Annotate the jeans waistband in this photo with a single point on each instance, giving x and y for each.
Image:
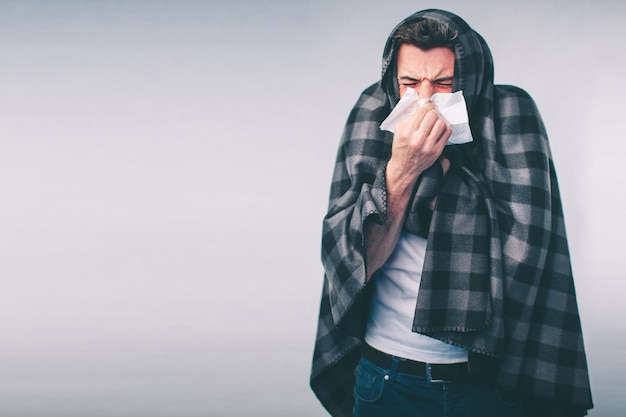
(454, 372)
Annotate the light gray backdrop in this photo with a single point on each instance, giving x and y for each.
(164, 170)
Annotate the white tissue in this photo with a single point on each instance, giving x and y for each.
(451, 106)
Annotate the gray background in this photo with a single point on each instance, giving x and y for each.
(164, 172)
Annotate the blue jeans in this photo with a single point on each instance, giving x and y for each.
(381, 392)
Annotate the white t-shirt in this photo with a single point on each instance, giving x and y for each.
(393, 307)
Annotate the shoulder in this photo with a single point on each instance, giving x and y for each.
(514, 100)
(372, 105)
(372, 97)
(505, 90)
(515, 111)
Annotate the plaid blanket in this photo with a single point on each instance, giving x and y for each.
(497, 278)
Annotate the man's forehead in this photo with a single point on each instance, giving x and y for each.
(414, 61)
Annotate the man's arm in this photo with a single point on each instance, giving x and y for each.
(417, 144)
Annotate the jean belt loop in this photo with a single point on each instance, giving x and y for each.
(429, 375)
(394, 367)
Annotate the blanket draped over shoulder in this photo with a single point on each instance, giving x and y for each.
(497, 237)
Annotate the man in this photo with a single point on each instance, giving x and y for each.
(448, 287)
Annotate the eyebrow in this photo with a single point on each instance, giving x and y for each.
(409, 78)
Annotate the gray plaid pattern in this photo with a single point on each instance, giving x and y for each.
(497, 278)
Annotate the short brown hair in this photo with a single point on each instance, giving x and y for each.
(426, 34)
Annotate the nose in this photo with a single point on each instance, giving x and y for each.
(425, 89)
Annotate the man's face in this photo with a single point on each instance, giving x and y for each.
(428, 72)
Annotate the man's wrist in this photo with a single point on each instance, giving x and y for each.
(398, 182)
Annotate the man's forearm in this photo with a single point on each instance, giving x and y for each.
(381, 240)
(417, 144)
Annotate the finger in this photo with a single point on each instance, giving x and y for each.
(431, 125)
(416, 119)
(441, 131)
(447, 131)
(443, 128)
(434, 133)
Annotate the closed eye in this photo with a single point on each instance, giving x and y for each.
(412, 82)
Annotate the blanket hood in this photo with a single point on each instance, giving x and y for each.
(473, 65)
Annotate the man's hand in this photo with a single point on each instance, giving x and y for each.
(418, 142)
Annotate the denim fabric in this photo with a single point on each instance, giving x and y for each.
(383, 392)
